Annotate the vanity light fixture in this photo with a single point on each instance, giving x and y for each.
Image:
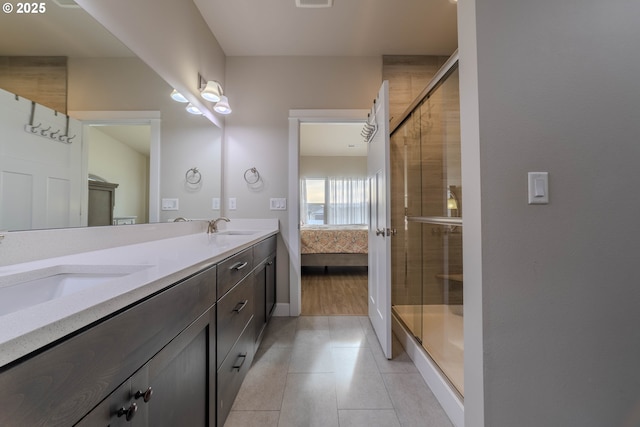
(211, 91)
(192, 109)
(177, 96)
(222, 107)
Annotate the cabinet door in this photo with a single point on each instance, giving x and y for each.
(113, 411)
(232, 372)
(260, 295)
(270, 285)
(182, 378)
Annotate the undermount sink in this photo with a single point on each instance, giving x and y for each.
(237, 232)
(23, 290)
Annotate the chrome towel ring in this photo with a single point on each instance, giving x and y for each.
(193, 176)
(252, 175)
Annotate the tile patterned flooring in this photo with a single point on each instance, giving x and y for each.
(330, 371)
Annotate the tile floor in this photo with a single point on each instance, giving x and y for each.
(330, 371)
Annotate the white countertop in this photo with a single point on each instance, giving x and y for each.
(169, 260)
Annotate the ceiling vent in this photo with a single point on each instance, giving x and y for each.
(314, 3)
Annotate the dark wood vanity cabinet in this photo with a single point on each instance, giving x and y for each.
(176, 358)
(174, 388)
(242, 316)
(163, 346)
(265, 294)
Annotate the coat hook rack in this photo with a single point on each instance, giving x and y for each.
(32, 129)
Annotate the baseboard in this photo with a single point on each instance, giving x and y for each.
(281, 310)
(448, 399)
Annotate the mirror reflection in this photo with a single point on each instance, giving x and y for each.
(132, 143)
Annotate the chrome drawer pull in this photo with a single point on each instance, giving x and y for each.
(145, 395)
(243, 357)
(128, 413)
(239, 265)
(240, 306)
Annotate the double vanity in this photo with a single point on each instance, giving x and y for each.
(159, 333)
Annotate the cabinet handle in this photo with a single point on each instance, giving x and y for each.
(270, 263)
(146, 395)
(243, 357)
(241, 305)
(239, 265)
(128, 413)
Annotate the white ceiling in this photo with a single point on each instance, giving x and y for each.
(257, 28)
(349, 28)
(332, 139)
(60, 31)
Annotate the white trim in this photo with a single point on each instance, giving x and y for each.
(442, 390)
(292, 237)
(282, 310)
(151, 118)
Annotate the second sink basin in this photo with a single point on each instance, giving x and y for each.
(23, 290)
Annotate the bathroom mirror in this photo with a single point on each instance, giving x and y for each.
(123, 105)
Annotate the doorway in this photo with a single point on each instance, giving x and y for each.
(146, 123)
(333, 218)
(301, 121)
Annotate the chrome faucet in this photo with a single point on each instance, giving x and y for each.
(213, 224)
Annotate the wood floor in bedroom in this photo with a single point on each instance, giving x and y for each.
(334, 291)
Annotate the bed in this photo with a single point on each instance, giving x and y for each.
(334, 245)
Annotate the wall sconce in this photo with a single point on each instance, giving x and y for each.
(211, 90)
(177, 96)
(222, 106)
(192, 109)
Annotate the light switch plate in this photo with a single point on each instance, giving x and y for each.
(232, 203)
(170, 204)
(538, 188)
(278, 204)
(215, 203)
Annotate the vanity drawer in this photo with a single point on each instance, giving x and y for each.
(235, 310)
(263, 249)
(232, 372)
(233, 269)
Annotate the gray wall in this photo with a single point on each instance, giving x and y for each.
(553, 299)
(333, 166)
(187, 141)
(262, 91)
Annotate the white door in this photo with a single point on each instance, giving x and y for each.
(379, 224)
(41, 183)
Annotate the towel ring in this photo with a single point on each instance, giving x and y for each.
(251, 175)
(193, 176)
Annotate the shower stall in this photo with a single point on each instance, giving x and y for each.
(427, 212)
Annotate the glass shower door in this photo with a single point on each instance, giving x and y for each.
(427, 270)
(441, 222)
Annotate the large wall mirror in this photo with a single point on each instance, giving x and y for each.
(131, 137)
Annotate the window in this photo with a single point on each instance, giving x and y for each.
(333, 201)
